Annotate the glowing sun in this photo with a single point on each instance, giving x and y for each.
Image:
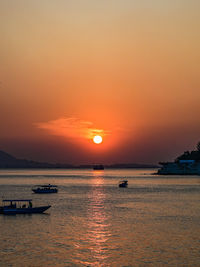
(97, 139)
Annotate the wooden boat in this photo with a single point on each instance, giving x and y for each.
(21, 206)
(123, 183)
(45, 189)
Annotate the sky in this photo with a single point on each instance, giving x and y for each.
(128, 70)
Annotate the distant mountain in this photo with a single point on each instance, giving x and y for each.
(5, 157)
(132, 165)
(8, 161)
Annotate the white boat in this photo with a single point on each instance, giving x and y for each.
(21, 206)
(45, 189)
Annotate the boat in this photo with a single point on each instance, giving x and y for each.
(45, 189)
(98, 167)
(186, 164)
(123, 183)
(21, 206)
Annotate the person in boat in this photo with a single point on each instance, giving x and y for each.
(30, 205)
(12, 205)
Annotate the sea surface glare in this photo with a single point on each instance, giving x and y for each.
(93, 222)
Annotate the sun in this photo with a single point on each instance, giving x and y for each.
(97, 139)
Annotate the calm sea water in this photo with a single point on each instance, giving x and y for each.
(93, 222)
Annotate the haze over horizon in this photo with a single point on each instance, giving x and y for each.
(125, 70)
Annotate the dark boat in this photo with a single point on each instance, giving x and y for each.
(98, 167)
(21, 206)
(123, 183)
(45, 189)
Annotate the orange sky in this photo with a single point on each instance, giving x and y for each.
(126, 69)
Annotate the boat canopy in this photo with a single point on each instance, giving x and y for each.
(17, 200)
(47, 185)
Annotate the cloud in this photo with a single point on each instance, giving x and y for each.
(71, 128)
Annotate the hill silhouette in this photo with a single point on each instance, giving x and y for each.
(5, 157)
(8, 161)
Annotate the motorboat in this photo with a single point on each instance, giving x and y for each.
(21, 206)
(123, 183)
(45, 189)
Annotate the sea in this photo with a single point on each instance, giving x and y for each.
(155, 221)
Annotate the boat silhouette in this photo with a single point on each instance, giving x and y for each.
(45, 189)
(123, 183)
(21, 206)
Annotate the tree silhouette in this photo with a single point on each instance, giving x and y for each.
(198, 146)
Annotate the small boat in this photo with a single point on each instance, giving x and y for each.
(45, 189)
(21, 206)
(98, 167)
(123, 183)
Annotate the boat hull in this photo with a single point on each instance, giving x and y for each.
(44, 191)
(123, 185)
(25, 210)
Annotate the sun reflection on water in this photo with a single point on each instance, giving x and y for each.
(98, 224)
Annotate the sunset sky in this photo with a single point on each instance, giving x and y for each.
(128, 70)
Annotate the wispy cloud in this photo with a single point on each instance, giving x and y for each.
(71, 128)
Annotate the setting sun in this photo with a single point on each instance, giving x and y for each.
(97, 139)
